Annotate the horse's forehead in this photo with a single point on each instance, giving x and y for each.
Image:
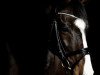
(80, 23)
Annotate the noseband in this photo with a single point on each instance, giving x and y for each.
(60, 51)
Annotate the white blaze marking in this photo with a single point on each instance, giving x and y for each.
(88, 70)
(81, 25)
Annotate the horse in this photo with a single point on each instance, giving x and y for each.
(68, 52)
(67, 47)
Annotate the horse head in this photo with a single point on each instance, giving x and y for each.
(68, 38)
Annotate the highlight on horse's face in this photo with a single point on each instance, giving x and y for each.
(71, 31)
(74, 38)
(71, 26)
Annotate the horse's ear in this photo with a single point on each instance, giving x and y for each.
(84, 2)
(67, 1)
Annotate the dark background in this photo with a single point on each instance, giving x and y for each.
(93, 10)
(27, 32)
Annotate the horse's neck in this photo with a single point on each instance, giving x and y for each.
(54, 65)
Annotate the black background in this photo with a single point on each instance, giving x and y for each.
(26, 30)
(93, 10)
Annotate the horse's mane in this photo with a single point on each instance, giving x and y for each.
(75, 6)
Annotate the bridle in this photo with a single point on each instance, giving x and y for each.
(60, 51)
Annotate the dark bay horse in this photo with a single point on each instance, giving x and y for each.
(67, 46)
